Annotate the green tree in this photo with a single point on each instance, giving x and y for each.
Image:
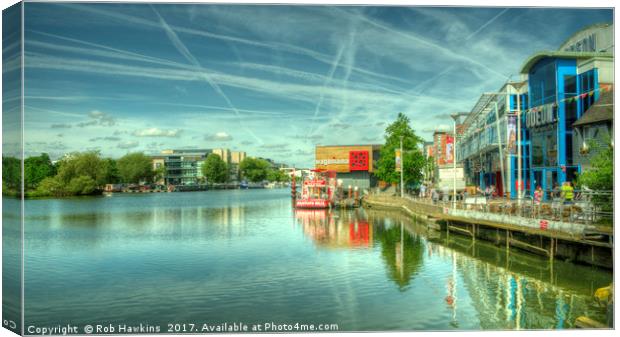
(413, 158)
(82, 185)
(275, 175)
(254, 169)
(79, 164)
(11, 174)
(112, 176)
(135, 167)
(215, 169)
(601, 174)
(51, 186)
(36, 169)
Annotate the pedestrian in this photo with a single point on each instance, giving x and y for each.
(567, 192)
(538, 195)
(434, 195)
(422, 191)
(555, 193)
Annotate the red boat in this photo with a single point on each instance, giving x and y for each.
(317, 190)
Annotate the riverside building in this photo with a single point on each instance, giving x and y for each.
(184, 166)
(562, 86)
(554, 98)
(353, 164)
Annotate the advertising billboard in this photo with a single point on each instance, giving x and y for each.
(344, 158)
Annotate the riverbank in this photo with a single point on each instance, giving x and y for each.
(553, 239)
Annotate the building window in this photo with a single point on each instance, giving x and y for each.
(537, 149)
(542, 83)
(551, 145)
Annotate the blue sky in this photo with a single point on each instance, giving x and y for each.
(273, 81)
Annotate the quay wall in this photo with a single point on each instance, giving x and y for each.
(567, 237)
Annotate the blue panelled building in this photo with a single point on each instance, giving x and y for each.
(556, 91)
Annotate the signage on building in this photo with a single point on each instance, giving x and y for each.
(512, 134)
(449, 149)
(540, 116)
(358, 160)
(586, 44)
(344, 158)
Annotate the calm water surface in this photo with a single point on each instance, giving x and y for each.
(246, 256)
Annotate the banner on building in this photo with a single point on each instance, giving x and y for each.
(398, 160)
(449, 150)
(512, 134)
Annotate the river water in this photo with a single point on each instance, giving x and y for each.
(247, 256)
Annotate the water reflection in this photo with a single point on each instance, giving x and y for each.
(248, 256)
(471, 279)
(333, 229)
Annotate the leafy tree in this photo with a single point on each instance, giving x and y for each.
(159, 173)
(36, 169)
(413, 158)
(112, 176)
(11, 174)
(135, 167)
(275, 175)
(51, 186)
(82, 185)
(78, 164)
(215, 169)
(601, 175)
(254, 169)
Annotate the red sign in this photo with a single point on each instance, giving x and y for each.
(544, 224)
(358, 160)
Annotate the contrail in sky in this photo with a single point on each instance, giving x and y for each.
(180, 46)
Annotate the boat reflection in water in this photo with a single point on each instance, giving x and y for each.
(456, 283)
(335, 229)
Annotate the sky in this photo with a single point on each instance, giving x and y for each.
(273, 81)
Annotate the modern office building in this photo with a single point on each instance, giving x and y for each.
(353, 164)
(182, 167)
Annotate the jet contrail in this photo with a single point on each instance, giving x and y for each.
(486, 24)
(180, 46)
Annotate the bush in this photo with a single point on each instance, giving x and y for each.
(82, 185)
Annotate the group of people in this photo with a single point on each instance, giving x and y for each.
(566, 193)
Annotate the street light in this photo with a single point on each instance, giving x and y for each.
(455, 118)
(402, 157)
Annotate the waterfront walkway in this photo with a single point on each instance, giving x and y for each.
(539, 235)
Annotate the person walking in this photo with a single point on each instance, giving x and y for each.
(538, 195)
(434, 195)
(567, 192)
(422, 191)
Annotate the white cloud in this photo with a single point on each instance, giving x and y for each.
(219, 137)
(157, 132)
(128, 145)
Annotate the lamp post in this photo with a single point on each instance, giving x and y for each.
(402, 180)
(455, 118)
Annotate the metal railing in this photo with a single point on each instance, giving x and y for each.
(587, 206)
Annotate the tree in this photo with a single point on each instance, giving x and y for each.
(36, 169)
(79, 164)
(275, 175)
(11, 174)
(601, 175)
(112, 176)
(413, 158)
(254, 169)
(135, 167)
(215, 169)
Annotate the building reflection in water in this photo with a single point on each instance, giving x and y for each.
(511, 298)
(334, 229)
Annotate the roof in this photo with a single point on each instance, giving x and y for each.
(586, 28)
(601, 111)
(532, 60)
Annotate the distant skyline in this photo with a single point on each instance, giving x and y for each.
(273, 81)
